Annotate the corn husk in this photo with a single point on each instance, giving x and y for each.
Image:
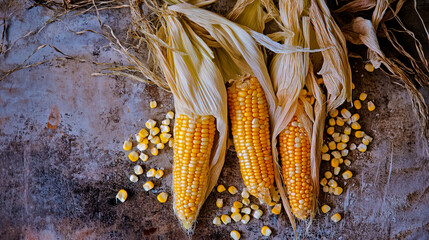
(195, 81)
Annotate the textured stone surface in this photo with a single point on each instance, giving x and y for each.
(61, 161)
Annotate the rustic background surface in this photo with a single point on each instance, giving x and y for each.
(61, 160)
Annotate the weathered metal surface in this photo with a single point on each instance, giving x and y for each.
(61, 158)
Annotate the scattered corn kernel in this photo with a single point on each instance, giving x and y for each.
(153, 104)
(245, 219)
(323, 182)
(325, 188)
(341, 146)
(246, 210)
(337, 170)
(326, 208)
(139, 139)
(336, 154)
(333, 113)
(133, 156)
(144, 157)
(347, 162)
(355, 117)
(133, 178)
(144, 133)
(154, 151)
(155, 140)
(369, 67)
(127, 145)
(150, 124)
(171, 142)
(122, 195)
(344, 153)
(219, 202)
(332, 145)
(331, 122)
(148, 186)
(352, 146)
(245, 201)
(159, 173)
(245, 194)
(371, 106)
(325, 148)
(235, 235)
(225, 219)
(341, 160)
(138, 170)
(363, 96)
(353, 86)
(347, 174)
(326, 157)
(338, 191)
(336, 217)
(345, 113)
(328, 174)
(162, 197)
(154, 131)
(220, 188)
(335, 162)
(340, 122)
(347, 131)
(142, 146)
(237, 204)
(236, 217)
(330, 130)
(170, 115)
(271, 204)
(254, 207)
(345, 138)
(164, 137)
(233, 190)
(362, 147)
(337, 137)
(165, 122)
(368, 138)
(357, 104)
(355, 126)
(165, 129)
(277, 209)
(160, 146)
(216, 221)
(333, 183)
(234, 209)
(266, 231)
(257, 213)
(151, 173)
(365, 141)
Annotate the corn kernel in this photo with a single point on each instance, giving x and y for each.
(368, 138)
(277, 209)
(148, 186)
(326, 208)
(325, 188)
(341, 160)
(330, 130)
(356, 126)
(335, 162)
(164, 137)
(171, 142)
(145, 141)
(257, 213)
(154, 151)
(266, 231)
(236, 217)
(352, 146)
(139, 139)
(362, 147)
(245, 219)
(127, 145)
(165, 122)
(159, 173)
(345, 113)
(144, 133)
(254, 207)
(357, 104)
(347, 162)
(233, 190)
(160, 146)
(246, 210)
(237, 204)
(325, 148)
(333, 183)
(332, 145)
(138, 170)
(337, 170)
(154, 131)
(333, 113)
(142, 146)
(220, 188)
(345, 138)
(216, 221)
(353, 86)
(337, 137)
(347, 130)
(336, 154)
(371, 106)
(235, 235)
(363, 96)
(340, 122)
(122, 195)
(245, 194)
(369, 67)
(165, 129)
(144, 157)
(234, 209)
(338, 191)
(355, 117)
(341, 146)
(323, 182)
(170, 115)
(225, 219)
(133, 178)
(245, 201)
(328, 174)
(133, 156)
(153, 104)
(365, 141)
(162, 197)
(271, 204)
(150, 124)
(347, 174)
(219, 202)
(336, 217)
(331, 122)
(326, 157)
(344, 153)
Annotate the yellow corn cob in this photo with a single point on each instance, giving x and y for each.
(193, 143)
(250, 127)
(295, 160)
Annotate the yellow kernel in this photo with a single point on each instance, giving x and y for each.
(365, 141)
(245, 194)
(221, 188)
(325, 148)
(355, 117)
(162, 197)
(164, 137)
(144, 157)
(245, 219)
(338, 191)
(138, 170)
(142, 146)
(266, 231)
(237, 204)
(363, 96)
(353, 86)
(359, 134)
(139, 139)
(337, 170)
(165, 122)
(341, 146)
(133, 156)
(254, 207)
(165, 129)
(153, 104)
(323, 182)
(347, 162)
(332, 145)
(233, 190)
(219, 202)
(347, 174)
(246, 210)
(225, 219)
(154, 151)
(171, 142)
(332, 183)
(122, 195)
(335, 162)
(257, 213)
(235, 235)
(150, 124)
(371, 106)
(355, 126)
(143, 133)
(345, 138)
(127, 145)
(347, 130)
(357, 104)
(325, 188)
(151, 173)
(336, 217)
(328, 174)
(234, 209)
(133, 178)
(160, 145)
(170, 115)
(236, 216)
(155, 140)
(336, 136)
(326, 157)
(340, 122)
(331, 122)
(369, 67)
(276, 209)
(154, 131)
(345, 113)
(159, 173)
(148, 186)
(245, 201)
(216, 221)
(333, 113)
(344, 153)
(330, 130)
(362, 147)
(336, 154)
(326, 208)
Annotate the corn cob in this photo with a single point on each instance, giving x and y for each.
(295, 160)
(251, 135)
(194, 142)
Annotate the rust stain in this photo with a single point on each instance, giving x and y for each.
(54, 118)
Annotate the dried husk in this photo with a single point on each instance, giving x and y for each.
(196, 83)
